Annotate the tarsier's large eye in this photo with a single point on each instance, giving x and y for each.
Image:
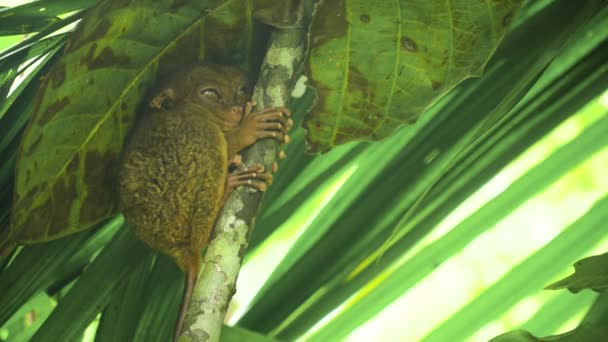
(244, 91)
(212, 94)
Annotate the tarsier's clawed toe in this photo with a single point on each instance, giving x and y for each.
(253, 176)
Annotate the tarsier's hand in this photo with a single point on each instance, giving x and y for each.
(269, 123)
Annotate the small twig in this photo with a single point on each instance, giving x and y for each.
(222, 261)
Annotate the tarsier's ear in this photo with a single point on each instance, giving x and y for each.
(165, 98)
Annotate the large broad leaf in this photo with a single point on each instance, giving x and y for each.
(87, 104)
(379, 64)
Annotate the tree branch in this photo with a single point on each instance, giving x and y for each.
(222, 261)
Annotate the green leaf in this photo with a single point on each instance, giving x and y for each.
(516, 336)
(163, 293)
(124, 310)
(16, 109)
(589, 273)
(43, 266)
(94, 289)
(29, 318)
(35, 49)
(236, 334)
(37, 15)
(379, 65)
(516, 285)
(539, 177)
(581, 334)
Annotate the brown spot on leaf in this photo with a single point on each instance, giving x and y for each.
(73, 165)
(435, 84)
(33, 145)
(99, 177)
(100, 31)
(329, 22)
(365, 18)
(53, 109)
(107, 58)
(342, 138)
(57, 76)
(408, 44)
(90, 54)
(177, 3)
(446, 57)
(357, 82)
(35, 225)
(25, 202)
(124, 106)
(507, 20)
(63, 193)
(30, 222)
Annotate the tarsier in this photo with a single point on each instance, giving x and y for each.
(181, 162)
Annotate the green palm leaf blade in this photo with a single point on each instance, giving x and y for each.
(163, 293)
(526, 278)
(357, 230)
(592, 328)
(379, 65)
(94, 288)
(123, 312)
(16, 109)
(592, 140)
(37, 15)
(87, 104)
(46, 266)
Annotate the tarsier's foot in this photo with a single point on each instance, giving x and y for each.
(253, 176)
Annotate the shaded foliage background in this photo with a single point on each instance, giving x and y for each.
(393, 194)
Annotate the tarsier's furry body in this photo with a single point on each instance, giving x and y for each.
(174, 177)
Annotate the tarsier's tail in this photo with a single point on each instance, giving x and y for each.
(190, 281)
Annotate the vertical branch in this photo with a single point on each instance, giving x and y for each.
(222, 261)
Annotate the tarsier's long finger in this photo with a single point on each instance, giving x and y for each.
(249, 108)
(283, 110)
(271, 116)
(278, 136)
(274, 118)
(272, 126)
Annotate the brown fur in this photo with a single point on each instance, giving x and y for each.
(174, 168)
